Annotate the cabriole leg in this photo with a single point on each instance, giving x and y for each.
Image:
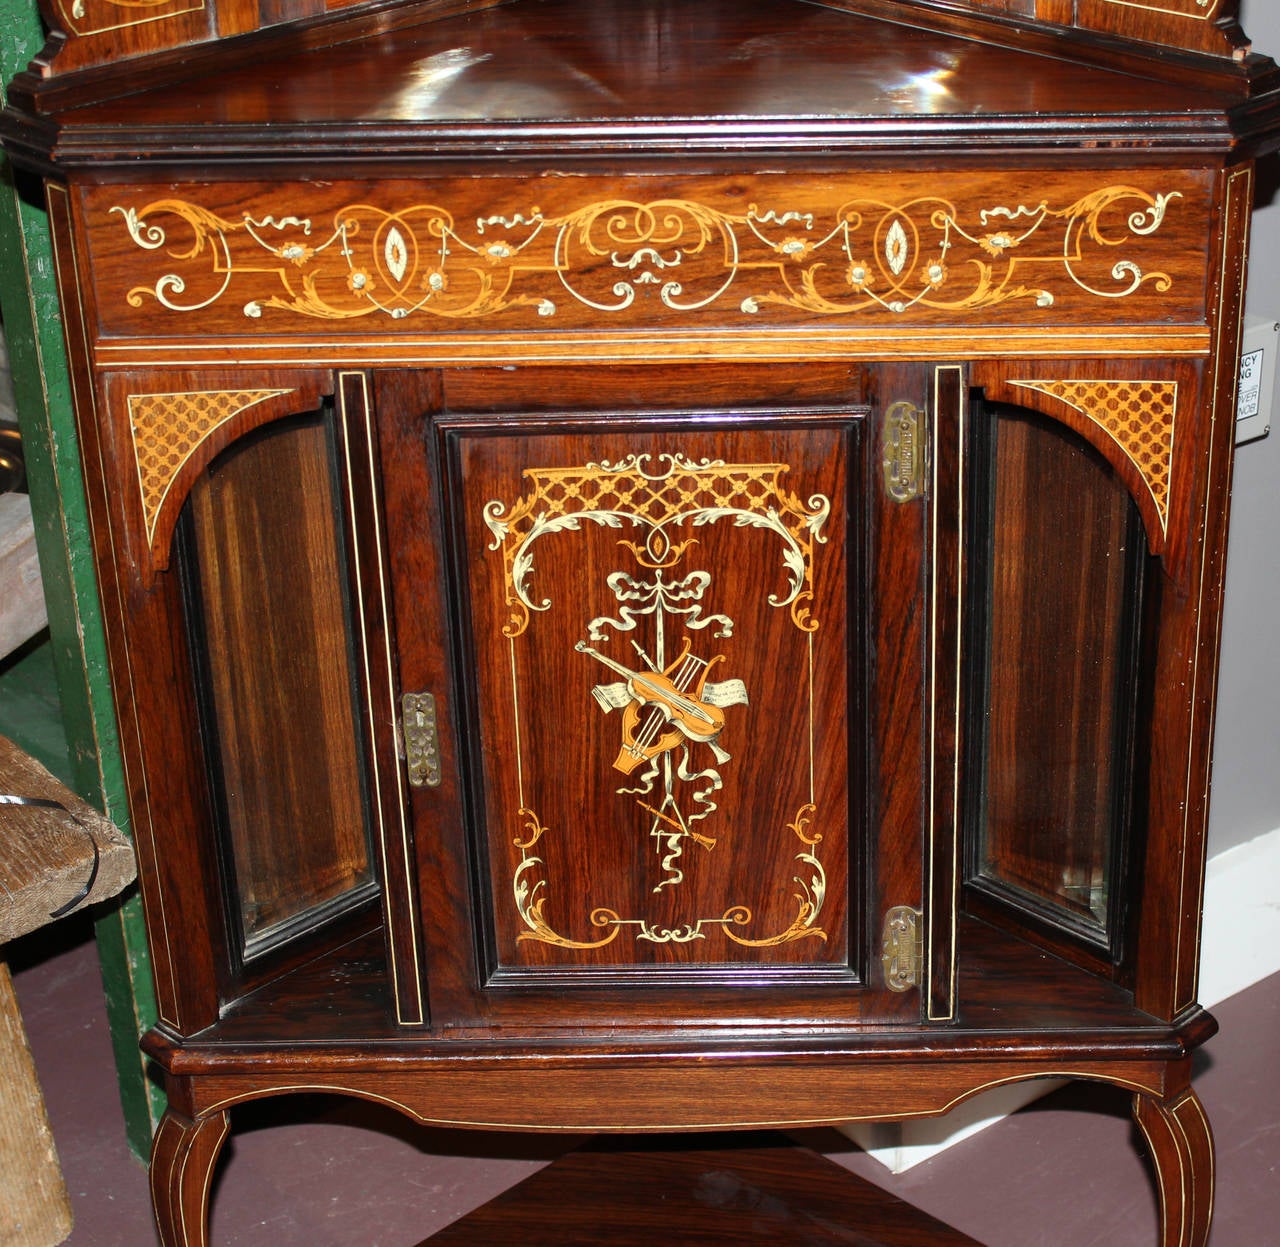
(1177, 1132)
(182, 1159)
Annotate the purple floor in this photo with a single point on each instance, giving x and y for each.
(310, 1172)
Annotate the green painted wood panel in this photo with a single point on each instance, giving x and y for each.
(32, 325)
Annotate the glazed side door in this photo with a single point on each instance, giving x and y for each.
(677, 637)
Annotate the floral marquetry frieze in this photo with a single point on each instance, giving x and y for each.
(888, 252)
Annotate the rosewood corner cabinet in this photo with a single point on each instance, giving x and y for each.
(662, 561)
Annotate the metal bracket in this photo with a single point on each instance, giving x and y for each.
(421, 739)
(903, 955)
(903, 452)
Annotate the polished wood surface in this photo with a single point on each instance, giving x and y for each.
(633, 317)
(554, 60)
(265, 577)
(717, 1192)
(719, 547)
(567, 85)
(97, 33)
(1000, 1011)
(706, 853)
(1181, 1142)
(1203, 26)
(183, 1157)
(91, 35)
(359, 272)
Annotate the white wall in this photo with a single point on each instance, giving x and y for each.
(1246, 776)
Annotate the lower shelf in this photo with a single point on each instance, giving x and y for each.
(327, 1027)
(713, 1190)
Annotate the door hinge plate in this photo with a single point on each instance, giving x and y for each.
(903, 451)
(903, 955)
(421, 739)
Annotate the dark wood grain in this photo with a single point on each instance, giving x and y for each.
(512, 249)
(76, 64)
(553, 60)
(540, 256)
(189, 998)
(782, 816)
(1185, 659)
(266, 569)
(720, 1193)
(540, 80)
(1183, 44)
(378, 684)
(92, 37)
(183, 1156)
(1012, 999)
(1181, 1142)
(949, 550)
(899, 555)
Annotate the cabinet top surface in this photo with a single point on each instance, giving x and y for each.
(559, 61)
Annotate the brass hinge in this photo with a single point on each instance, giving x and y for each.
(421, 739)
(903, 956)
(903, 452)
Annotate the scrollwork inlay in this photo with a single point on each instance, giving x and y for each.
(655, 501)
(622, 257)
(674, 729)
(96, 17)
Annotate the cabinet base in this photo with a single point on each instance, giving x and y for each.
(727, 1191)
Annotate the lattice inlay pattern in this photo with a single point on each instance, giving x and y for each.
(169, 428)
(656, 501)
(1139, 416)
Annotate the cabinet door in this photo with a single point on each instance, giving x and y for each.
(679, 675)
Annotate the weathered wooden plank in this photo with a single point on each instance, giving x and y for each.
(57, 852)
(34, 1209)
(22, 612)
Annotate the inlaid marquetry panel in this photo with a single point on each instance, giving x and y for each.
(91, 17)
(873, 250)
(167, 431)
(169, 427)
(661, 657)
(1139, 416)
(1200, 10)
(97, 32)
(1197, 24)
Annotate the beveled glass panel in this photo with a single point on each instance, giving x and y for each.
(265, 550)
(1054, 748)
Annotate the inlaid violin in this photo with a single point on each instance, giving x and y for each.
(673, 698)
